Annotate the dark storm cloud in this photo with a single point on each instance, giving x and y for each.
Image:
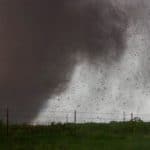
(39, 42)
(102, 28)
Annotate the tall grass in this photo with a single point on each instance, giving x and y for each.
(91, 136)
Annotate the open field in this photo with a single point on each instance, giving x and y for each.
(112, 136)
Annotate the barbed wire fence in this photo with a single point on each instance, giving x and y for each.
(12, 117)
(9, 116)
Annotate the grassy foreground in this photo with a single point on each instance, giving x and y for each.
(112, 136)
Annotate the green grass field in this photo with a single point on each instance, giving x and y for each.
(112, 136)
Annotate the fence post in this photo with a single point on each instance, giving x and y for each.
(75, 116)
(124, 116)
(7, 120)
(131, 116)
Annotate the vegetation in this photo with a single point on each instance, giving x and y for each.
(131, 135)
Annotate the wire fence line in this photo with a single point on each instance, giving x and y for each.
(73, 116)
